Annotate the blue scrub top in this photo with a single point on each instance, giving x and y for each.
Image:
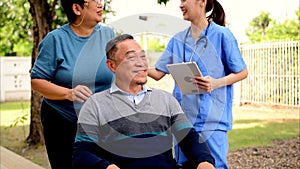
(210, 111)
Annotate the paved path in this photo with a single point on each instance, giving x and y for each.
(11, 160)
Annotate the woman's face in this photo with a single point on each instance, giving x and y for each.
(192, 9)
(92, 11)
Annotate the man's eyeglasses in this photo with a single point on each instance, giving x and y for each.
(135, 56)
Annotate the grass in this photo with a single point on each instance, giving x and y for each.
(14, 129)
(254, 126)
(14, 113)
(262, 135)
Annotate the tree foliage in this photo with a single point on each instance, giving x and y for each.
(15, 28)
(263, 28)
(17, 23)
(163, 1)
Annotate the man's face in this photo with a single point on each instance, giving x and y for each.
(131, 64)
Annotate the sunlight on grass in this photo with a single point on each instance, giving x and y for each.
(262, 135)
(14, 113)
(248, 125)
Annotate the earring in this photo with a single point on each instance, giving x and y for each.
(78, 13)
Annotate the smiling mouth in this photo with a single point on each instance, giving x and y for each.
(140, 72)
(137, 71)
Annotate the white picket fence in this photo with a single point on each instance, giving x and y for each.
(15, 79)
(273, 77)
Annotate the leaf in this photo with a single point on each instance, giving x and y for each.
(162, 1)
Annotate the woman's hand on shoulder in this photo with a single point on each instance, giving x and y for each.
(80, 93)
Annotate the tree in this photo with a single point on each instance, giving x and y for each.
(264, 28)
(15, 30)
(258, 25)
(163, 1)
(43, 14)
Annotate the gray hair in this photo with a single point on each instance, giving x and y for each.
(111, 45)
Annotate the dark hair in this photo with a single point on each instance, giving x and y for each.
(67, 7)
(111, 46)
(218, 13)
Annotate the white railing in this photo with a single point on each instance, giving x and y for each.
(273, 77)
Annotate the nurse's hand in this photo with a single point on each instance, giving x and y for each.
(208, 83)
(204, 83)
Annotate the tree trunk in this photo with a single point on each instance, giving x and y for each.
(36, 130)
(42, 20)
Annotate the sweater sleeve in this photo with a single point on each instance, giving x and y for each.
(87, 154)
(46, 62)
(194, 147)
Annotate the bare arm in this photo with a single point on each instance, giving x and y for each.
(155, 73)
(55, 92)
(208, 83)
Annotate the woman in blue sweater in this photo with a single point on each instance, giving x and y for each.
(69, 68)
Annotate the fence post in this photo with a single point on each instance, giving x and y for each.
(236, 94)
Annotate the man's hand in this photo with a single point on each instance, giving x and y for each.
(112, 166)
(205, 165)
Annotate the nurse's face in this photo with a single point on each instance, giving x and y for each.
(193, 9)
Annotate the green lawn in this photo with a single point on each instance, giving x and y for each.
(253, 126)
(263, 134)
(14, 113)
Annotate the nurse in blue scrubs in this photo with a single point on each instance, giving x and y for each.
(215, 50)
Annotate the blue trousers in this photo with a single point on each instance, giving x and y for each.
(59, 135)
(218, 144)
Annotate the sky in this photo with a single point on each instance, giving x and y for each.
(238, 12)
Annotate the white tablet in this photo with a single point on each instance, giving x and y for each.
(183, 73)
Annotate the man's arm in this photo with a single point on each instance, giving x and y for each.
(195, 149)
(86, 156)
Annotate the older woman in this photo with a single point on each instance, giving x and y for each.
(70, 67)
